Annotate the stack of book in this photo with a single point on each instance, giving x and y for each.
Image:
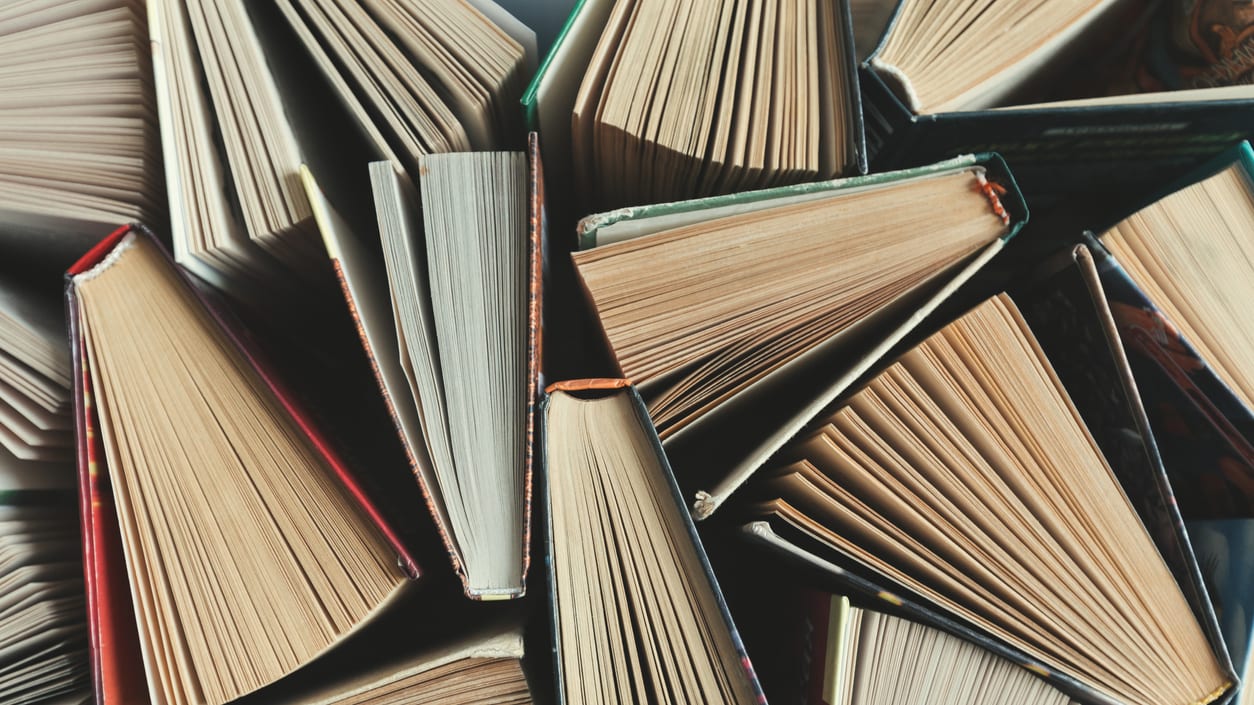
(415, 351)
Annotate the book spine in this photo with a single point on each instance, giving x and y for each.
(537, 230)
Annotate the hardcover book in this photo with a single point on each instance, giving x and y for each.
(1077, 337)
(227, 460)
(986, 91)
(740, 141)
(742, 316)
(1177, 272)
(633, 595)
(863, 656)
(391, 279)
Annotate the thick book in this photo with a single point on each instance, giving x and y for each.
(1178, 272)
(742, 316)
(35, 420)
(249, 92)
(984, 92)
(1071, 335)
(44, 653)
(859, 655)
(438, 649)
(759, 115)
(632, 592)
(188, 449)
(387, 276)
(79, 148)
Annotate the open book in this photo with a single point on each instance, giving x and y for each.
(963, 474)
(248, 92)
(637, 613)
(248, 547)
(861, 656)
(648, 100)
(1179, 273)
(78, 132)
(449, 314)
(715, 306)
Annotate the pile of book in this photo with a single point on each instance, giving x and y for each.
(599, 351)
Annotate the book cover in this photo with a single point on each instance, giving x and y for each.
(1204, 432)
(1225, 553)
(622, 386)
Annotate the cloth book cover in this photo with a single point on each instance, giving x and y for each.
(1067, 312)
(364, 294)
(117, 667)
(601, 387)
(762, 428)
(1058, 150)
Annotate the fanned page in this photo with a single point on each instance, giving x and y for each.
(1191, 254)
(963, 474)
(872, 658)
(699, 313)
(43, 635)
(691, 99)
(459, 283)
(944, 56)
(637, 617)
(246, 555)
(35, 421)
(435, 75)
(232, 159)
(78, 131)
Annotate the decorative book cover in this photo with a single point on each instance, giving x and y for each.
(602, 387)
(366, 291)
(1204, 432)
(1068, 314)
(118, 669)
(1058, 150)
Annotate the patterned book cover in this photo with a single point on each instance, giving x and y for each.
(1204, 432)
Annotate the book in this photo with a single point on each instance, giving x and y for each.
(453, 335)
(744, 96)
(637, 613)
(198, 452)
(249, 92)
(715, 306)
(1176, 272)
(1224, 548)
(436, 648)
(864, 656)
(43, 639)
(992, 89)
(964, 475)
(36, 425)
(78, 129)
